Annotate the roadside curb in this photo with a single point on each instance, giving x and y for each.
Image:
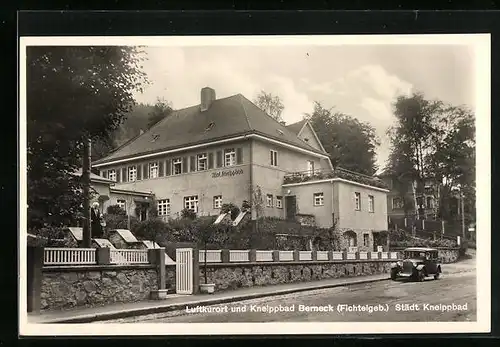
(202, 300)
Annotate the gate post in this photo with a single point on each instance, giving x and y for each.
(196, 270)
(156, 256)
(34, 278)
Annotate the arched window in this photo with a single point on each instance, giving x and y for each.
(351, 238)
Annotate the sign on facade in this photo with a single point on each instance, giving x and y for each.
(227, 173)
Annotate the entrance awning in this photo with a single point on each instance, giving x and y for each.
(142, 200)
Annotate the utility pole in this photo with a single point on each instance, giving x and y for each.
(87, 232)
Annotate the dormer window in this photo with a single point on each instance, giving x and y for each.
(210, 126)
(155, 137)
(280, 131)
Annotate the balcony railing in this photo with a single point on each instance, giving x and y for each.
(323, 174)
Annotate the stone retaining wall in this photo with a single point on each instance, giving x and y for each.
(79, 286)
(238, 275)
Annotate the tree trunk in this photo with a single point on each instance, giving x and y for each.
(87, 232)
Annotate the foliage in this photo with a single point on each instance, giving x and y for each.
(399, 238)
(270, 104)
(116, 210)
(161, 109)
(188, 214)
(349, 142)
(72, 92)
(152, 229)
(114, 221)
(230, 208)
(432, 142)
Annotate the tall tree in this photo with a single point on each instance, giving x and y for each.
(271, 104)
(161, 109)
(411, 140)
(73, 93)
(350, 143)
(433, 142)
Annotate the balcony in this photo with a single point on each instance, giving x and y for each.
(324, 174)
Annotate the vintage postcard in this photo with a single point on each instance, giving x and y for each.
(254, 185)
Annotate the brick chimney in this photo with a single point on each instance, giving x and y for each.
(207, 97)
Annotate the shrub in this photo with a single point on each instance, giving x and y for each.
(116, 210)
(188, 214)
(114, 221)
(230, 208)
(152, 229)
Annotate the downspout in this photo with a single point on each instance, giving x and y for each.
(251, 178)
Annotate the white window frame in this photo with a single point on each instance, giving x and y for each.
(357, 201)
(217, 201)
(132, 173)
(279, 201)
(274, 157)
(319, 199)
(202, 158)
(229, 157)
(112, 175)
(122, 204)
(163, 206)
(177, 161)
(371, 203)
(153, 170)
(269, 200)
(191, 203)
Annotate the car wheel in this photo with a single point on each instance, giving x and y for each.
(394, 274)
(437, 276)
(420, 276)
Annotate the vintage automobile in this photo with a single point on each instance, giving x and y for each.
(417, 264)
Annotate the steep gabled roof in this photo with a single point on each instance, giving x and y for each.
(226, 118)
(296, 127)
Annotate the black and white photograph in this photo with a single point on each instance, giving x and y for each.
(254, 185)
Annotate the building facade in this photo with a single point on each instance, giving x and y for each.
(229, 151)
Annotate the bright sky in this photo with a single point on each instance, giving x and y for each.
(361, 80)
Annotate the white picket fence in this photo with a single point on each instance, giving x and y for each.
(363, 255)
(385, 255)
(374, 255)
(264, 255)
(213, 256)
(393, 255)
(337, 256)
(237, 256)
(128, 256)
(69, 256)
(322, 255)
(286, 255)
(305, 255)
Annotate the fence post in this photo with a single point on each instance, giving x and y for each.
(225, 258)
(276, 255)
(296, 255)
(314, 255)
(368, 255)
(34, 278)
(344, 255)
(330, 255)
(252, 256)
(103, 256)
(196, 269)
(156, 256)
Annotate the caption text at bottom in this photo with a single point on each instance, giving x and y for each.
(339, 308)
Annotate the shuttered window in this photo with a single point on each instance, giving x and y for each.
(192, 163)
(145, 171)
(118, 175)
(239, 156)
(184, 164)
(219, 159)
(161, 168)
(139, 173)
(104, 173)
(168, 166)
(210, 160)
(124, 175)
